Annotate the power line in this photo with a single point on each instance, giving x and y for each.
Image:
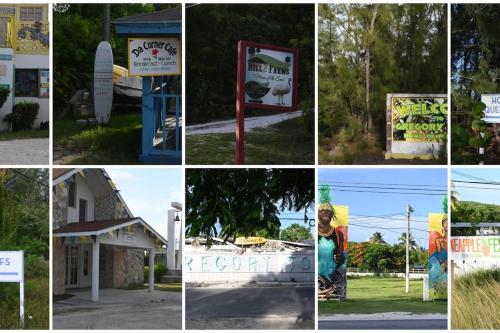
(386, 184)
(29, 177)
(389, 192)
(388, 188)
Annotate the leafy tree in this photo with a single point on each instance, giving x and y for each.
(212, 35)
(412, 242)
(296, 232)
(231, 202)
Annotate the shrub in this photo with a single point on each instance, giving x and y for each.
(23, 116)
(160, 270)
(4, 93)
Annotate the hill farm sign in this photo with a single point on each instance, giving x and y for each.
(416, 125)
(267, 78)
(154, 56)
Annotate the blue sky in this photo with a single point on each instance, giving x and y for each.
(473, 194)
(389, 209)
(148, 192)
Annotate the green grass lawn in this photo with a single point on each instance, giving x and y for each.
(36, 296)
(284, 143)
(119, 142)
(377, 295)
(177, 287)
(24, 134)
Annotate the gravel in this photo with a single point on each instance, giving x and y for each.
(24, 152)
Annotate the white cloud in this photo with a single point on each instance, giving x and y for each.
(117, 175)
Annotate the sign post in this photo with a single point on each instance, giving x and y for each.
(12, 270)
(267, 78)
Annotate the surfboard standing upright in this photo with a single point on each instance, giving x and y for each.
(103, 82)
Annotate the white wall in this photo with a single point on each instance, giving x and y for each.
(83, 191)
(7, 79)
(215, 266)
(34, 61)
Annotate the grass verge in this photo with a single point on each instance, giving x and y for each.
(176, 287)
(36, 296)
(284, 143)
(475, 301)
(24, 134)
(377, 295)
(119, 142)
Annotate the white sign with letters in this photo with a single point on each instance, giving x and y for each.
(492, 111)
(12, 270)
(154, 57)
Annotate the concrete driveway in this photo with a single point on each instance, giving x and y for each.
(24, 151)
(119, 309)
(255, 307)
(384, 321)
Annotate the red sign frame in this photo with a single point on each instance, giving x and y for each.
(240, 91)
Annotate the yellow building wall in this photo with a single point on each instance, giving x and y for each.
(27, 36)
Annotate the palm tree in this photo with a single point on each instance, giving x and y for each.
(413, 243)
(454, 196)
(377, 238)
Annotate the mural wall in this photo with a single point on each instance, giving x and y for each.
(438, 255)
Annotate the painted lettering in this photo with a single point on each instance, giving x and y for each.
(305, 263)
(252, 264)
(236, 263)
(189, 261)
(4, 261)
(220, 263)
(204, 263)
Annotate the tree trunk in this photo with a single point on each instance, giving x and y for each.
(369, 124)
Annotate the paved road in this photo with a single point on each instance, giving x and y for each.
(228, 126)
(286, 307)
(384, 322)
(24, 151)
(119, 309)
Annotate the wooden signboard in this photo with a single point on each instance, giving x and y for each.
(267, 78)
(103, 82)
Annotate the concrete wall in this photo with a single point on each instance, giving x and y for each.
(215, 266)
(34, 61)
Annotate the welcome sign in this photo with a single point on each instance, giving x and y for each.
(492, 111)
(154, 56)
(416, 125)
(269, 78)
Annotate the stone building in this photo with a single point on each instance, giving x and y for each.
(24, 58)
(98, 243)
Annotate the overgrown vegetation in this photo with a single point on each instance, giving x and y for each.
(475, 65)
(475, 301)
(160, 270)
(365, 52)
(24, 225)
(23, 116)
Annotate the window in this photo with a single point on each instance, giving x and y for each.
(31, 14)
(27, 82)
(102, 259)
(4, 31)
(32, 82)
(86, 262)
(72, 195)
(82, 210)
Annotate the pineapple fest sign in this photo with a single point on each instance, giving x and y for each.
(267, 78)
(154, 57)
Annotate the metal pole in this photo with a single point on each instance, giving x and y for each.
(409, 210)
(21, 302)
(106, 21)
(240, 108)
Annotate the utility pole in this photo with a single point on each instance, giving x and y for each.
(409, 210)
(106, 20)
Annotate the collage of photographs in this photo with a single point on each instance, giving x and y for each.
(311, 188)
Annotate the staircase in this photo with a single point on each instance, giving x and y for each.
(173, 276)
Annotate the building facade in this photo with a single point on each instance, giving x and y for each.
(98, 243)
(24, 58)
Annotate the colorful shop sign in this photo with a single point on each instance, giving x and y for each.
(438, 255)
(416, 125)
(492, 111)
(267, 78)
(154, 56)
(475, 247)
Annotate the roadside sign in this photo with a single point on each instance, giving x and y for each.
(12, 270)
(103, 82)
(267, 78)
(154, 56)
(492, 111)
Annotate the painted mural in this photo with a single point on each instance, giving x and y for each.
(332, 248)
(438, 255)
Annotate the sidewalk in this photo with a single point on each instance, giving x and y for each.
(24, 151)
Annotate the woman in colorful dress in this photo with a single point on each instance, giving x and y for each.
(330, 254)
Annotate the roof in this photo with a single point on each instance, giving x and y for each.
(58, 172)
(161, 16)
(90, 228)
